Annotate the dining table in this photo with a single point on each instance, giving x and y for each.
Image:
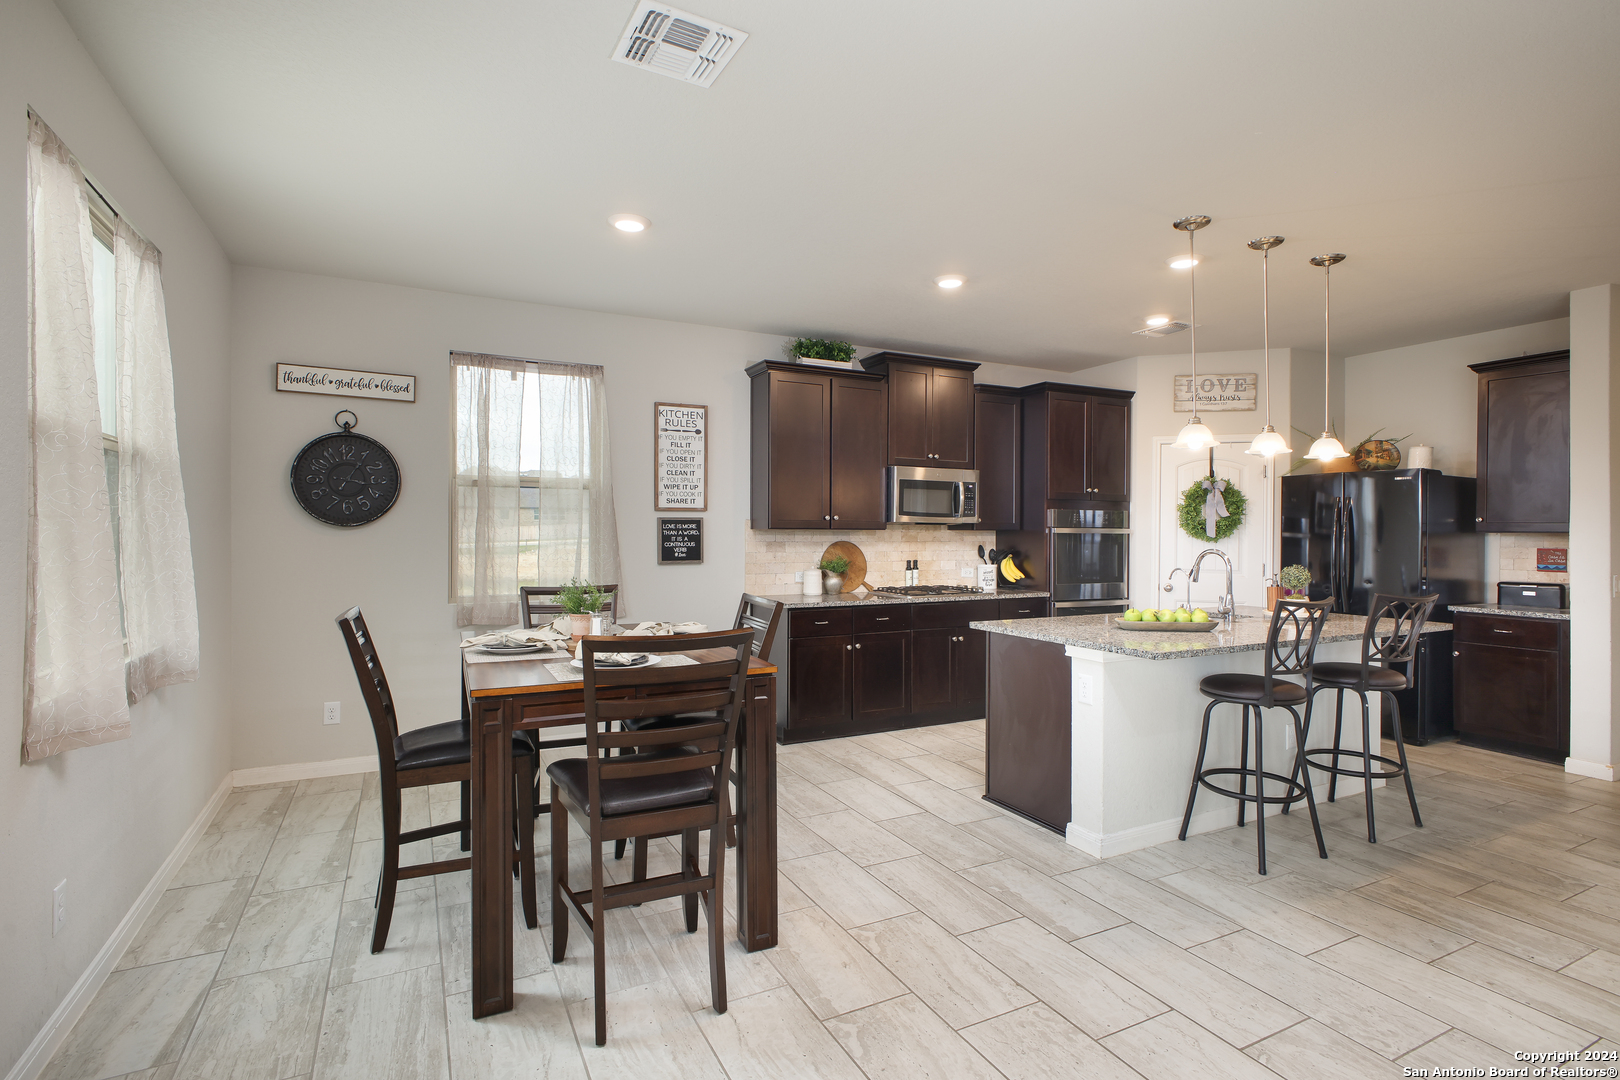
(504, 694)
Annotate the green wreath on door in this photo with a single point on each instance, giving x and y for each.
(1212, 502)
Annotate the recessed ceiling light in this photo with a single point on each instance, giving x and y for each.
(949, 281)
(1182, 262)
(629, 222)
(1158, 320)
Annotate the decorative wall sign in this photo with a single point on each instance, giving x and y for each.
(302, 379)
(1218, 393)
(345, 479)
(680, 451)
(1552, 560)
(680, 540)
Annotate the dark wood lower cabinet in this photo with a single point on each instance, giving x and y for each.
(879, 677)
(1028, 730)
(818, 696)
(1510, 684)
(931, 668)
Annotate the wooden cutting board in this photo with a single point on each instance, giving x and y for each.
(855, 576)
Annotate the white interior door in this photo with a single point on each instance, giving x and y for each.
(1250, 548)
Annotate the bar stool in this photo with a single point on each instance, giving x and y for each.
(1379, 649)
(1290, 647)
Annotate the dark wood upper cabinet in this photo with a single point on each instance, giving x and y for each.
(1076, 449)
(997, 420)
(1524, 444)
(820, 443)
(1108, 450)
(930, 409)
(1066, 448)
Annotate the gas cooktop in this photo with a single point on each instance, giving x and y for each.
(929, 590)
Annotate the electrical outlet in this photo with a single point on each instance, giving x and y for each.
(59, 907)
(1082, 689)
(967, 571)
(334, 712)
(798, 575)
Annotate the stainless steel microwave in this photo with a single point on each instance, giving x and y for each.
(931, 496)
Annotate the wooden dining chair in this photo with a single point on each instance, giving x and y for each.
(754, 613)
(671, 782)
(537, 604)
(436, 754)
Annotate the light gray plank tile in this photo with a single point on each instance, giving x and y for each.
(890, 772)
(1602, 899)
(365, 866)
(957, 983)
(531, 951)
(815, 767)
(1086, 993)
(162, 1072)
(863, 840)
(139, 1019)
(323, 785)
(927, 739)
(1482, 862)
(889, 746)
(1035, 1043)
(1191, 985)
(944, 842)
(262, 1026)
(828, 968)
(301, 860)
(1456, 1050)
(1569, 863)
(774, 1034)
(1601, 969)
(789, 897)
(413, 814)
(188, 922)
(282, 929)
(795, 840)
(257, 808)
(1383, 924)
(1159, 910)
(799, 797)
(952, 774)
(1373, 1019)
(686, 957)
(1030, 844)
(1265, 915)
(1470, 920)
(331, 811)
(843, 890)
(1311, 1051)
(901, 1039)
(225, 856)
(388, 1028)
(413, 939)
(1043, 900)
(949, 899)
(1172, 1047)
(873, 800)
(1587, 1007)
(650, 1035)
(1588, 925)
(631, 958)
(1484, 1014)
(948, 805)
(535, 1041)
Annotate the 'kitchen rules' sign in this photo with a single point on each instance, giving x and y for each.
(681, 445)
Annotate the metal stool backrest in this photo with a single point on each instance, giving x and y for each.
(1296, 626)
(1396, 643)
(532, 602)
(761, 616)
(373, 686)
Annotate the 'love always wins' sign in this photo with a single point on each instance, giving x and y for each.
(1217, 393)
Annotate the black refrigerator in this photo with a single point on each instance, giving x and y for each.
(1404, 532)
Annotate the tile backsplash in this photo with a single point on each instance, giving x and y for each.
(1516, 557)
(771, 556)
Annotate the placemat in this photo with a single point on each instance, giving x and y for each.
(475, 657)
(566, 672)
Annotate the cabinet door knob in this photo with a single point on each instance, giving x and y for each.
(1479, 519)
(835, 517)
(1456, 654)
(848, 647)
(857, 646)
(826, 517)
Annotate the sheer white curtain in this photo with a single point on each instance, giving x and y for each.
(74, 660)
(532, 498)
(154, 534)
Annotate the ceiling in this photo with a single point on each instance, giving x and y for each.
(1465, 156)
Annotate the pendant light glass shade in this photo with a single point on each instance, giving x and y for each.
(1195, 436)
(1327, 448)
(1267, 444)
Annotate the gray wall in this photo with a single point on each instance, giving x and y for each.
(104, 818)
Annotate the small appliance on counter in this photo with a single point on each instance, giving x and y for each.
(1531, 594)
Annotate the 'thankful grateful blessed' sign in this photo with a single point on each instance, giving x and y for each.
(300, 379)
(680, 540)
(681, 433)
(1217, 393)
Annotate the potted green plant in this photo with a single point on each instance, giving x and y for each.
(821, 351)
(833, 569)
(1294, 583)
(579, 601)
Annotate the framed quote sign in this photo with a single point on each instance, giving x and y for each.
(1217, 393)
(680, 452)
(338, 382)
(680, 540)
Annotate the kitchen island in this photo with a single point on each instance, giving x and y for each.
(1092, 730)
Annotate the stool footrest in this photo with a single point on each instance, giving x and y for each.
(1296, 790)
(1395, 769)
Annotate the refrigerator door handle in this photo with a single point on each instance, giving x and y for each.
(1345, 569)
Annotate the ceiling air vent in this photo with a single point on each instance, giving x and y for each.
(677, 43)
(1161, 331)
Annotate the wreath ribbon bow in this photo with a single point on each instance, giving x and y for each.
(1214, 504)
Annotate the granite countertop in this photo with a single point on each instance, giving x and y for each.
(1098, 632)
(1518, 612)
(870, 599)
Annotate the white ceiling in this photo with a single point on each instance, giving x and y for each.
(1464, 154)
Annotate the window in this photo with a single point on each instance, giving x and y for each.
(104, 315)
(533, 496)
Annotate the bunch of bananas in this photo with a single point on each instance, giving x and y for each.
(1010, 571)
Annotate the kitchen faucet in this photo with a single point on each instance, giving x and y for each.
(1228, 606)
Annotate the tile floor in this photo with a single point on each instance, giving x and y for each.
(923, 934)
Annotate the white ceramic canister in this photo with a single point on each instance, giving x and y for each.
(1420, 457)
(812, 582)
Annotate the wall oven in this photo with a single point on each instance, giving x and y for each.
(932, 496)
(1091, 558)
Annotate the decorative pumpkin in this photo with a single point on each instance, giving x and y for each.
(1375, 455)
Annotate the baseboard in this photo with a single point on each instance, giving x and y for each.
(304, 770)
(72, 1007)
(1589, 768)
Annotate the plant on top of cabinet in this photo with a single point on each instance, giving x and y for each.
(930, 409)
(833, 352)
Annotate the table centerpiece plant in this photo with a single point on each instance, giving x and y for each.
(579, 601)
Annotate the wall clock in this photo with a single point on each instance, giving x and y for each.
(343, 478)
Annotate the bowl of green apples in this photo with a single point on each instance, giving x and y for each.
(1179, 620)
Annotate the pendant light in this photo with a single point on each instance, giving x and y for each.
(1195, 436)
(1268, 443)
(1327, 448)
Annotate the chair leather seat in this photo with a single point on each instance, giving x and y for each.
(1237, 686)
(635, 795)
(443, 744)
(652, 723)
(1378, 678)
